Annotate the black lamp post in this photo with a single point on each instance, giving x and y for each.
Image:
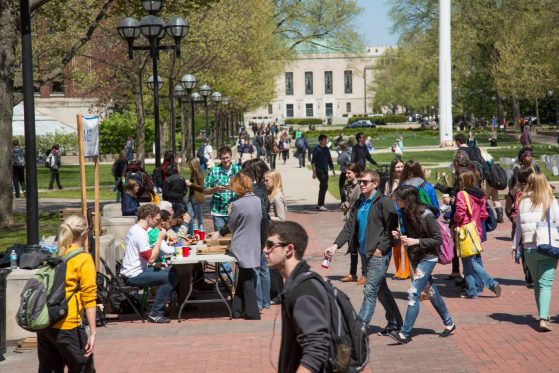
(216, 97)
(205, 91)
(154, 29)
(224, 102)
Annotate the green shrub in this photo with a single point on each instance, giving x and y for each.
(114, 132)
(68, 142)
(380, 121)
(303, 121)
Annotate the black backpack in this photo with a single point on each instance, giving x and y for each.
(201, 151)
(349, 342)
(496, 176)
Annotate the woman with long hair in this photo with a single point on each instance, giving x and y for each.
(196, 191)
(470, 206)
(129, 203)
(284, 145)
(422, 241)
(67, 342)
(401, 260)
(413, 175)
(537, 206)
(245, 221)
(278, 207)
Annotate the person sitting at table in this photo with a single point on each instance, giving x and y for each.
(168, 245)
(180, 225)
(244, 223)
(129, 203)
(138, 254)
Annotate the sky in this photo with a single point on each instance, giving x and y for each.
(374, 23)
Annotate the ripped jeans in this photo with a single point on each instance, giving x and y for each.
(422, 280)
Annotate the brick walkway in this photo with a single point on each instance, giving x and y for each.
(493, 335)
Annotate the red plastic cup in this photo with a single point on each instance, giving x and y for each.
(196, 231)
(185, 251)
(202, 235)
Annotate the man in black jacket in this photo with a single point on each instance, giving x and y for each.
(321, 160)
(305, 329)
(360, 153)
(174, 188)
(369, 225)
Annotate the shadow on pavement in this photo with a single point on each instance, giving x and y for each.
(528, 320)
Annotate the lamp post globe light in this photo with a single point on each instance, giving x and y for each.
(188, 83)
(205, 91)
(151, 82)
(154, 29)
(216, 98)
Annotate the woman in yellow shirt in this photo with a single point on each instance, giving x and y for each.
(68, 343)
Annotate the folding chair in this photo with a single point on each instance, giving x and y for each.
(117, 285)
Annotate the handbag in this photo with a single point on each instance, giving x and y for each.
(467, 240)
(547, 238)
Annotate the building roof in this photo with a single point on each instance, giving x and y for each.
(43, 123)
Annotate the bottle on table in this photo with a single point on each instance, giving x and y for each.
(13, 260)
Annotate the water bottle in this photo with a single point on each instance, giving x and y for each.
(13, 260)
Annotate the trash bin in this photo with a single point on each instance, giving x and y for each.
(3, 274)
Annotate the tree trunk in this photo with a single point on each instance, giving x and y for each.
(140, 125)
(537, 112)
(9, 34)
(515, 112)
(184, 133)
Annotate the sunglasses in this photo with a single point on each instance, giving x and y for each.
(271, 245)
(364, 182)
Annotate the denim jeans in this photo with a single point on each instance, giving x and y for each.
(421, 278)
(473, 268)
(165, 280)
(543, 270)
(262, 283)
(195, 211)
(219, 222)
(301, 157)
(376, 286)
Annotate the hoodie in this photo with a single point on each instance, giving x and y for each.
(477, 202)
(418, 182)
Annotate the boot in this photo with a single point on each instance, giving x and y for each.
(499, 212)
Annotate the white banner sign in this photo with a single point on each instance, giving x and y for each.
(90, 136)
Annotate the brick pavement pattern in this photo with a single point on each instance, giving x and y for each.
(493, 334)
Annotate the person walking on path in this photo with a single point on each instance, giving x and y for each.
(321, 160)
(360, 153)
(118, 171)
(66, 343)
(129, 149)
(302, 146)
(55, 166)
(470, 206)
(18, 168)
(344, 158)
(370, 223)
(401, 260)
(538, 211)
(413, 175)
(284, 144)
(422, 240)
(305, 329)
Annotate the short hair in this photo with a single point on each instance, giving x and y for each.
(290, 232)
(460, 138)
(15, 142)
(148, 210)
(224, 150)
(165, 215)
(358, 135)
(354, 167)
(131, 183)
(241, 184)
(524, 173)
(375, 177)
(322, 137)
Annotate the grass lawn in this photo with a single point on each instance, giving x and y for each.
(105, 193)
(70, 176)
(17, 234)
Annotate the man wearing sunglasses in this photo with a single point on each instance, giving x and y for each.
(305, 336)
(369, 225)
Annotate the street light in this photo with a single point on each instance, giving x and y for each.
(154, 29)
(216, 97)
(224, 102)
(205, 91)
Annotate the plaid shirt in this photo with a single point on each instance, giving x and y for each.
(221, 200)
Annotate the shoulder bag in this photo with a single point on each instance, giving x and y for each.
(467, 240)
(547, 238)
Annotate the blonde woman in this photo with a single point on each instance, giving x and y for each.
(535, 204)
(67, 343)
(278, 208)
(196, 191)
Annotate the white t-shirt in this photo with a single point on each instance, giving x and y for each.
(208, 150)
(136, 242)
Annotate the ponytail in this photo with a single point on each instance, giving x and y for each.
(70, 231)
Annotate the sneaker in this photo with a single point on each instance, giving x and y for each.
(361, 280)
(349, 278)
(399, 337)
(447, 331)
(384, 332)
(158, 319)
(497, 290)
(321, 208)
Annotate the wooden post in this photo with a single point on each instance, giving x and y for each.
(97, 213)
(83, 182)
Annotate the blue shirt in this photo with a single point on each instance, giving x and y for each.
(362, 219)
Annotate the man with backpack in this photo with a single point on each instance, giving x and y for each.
(369, 225)
(54, 161)
(312, 311)
(301, 144)
(18, 168)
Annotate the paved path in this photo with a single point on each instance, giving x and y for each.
(493, 335)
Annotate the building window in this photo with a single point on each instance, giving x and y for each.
(289, 84)
(348, 107)
(289, 110)
(328, 82)
(309, 110)
(308, 83)
(270, 109)
(329, 110)
(348, 81)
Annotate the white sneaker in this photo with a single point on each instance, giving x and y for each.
(321, 208)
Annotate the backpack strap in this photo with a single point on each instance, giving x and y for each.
(287, 300)
(467, 199)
